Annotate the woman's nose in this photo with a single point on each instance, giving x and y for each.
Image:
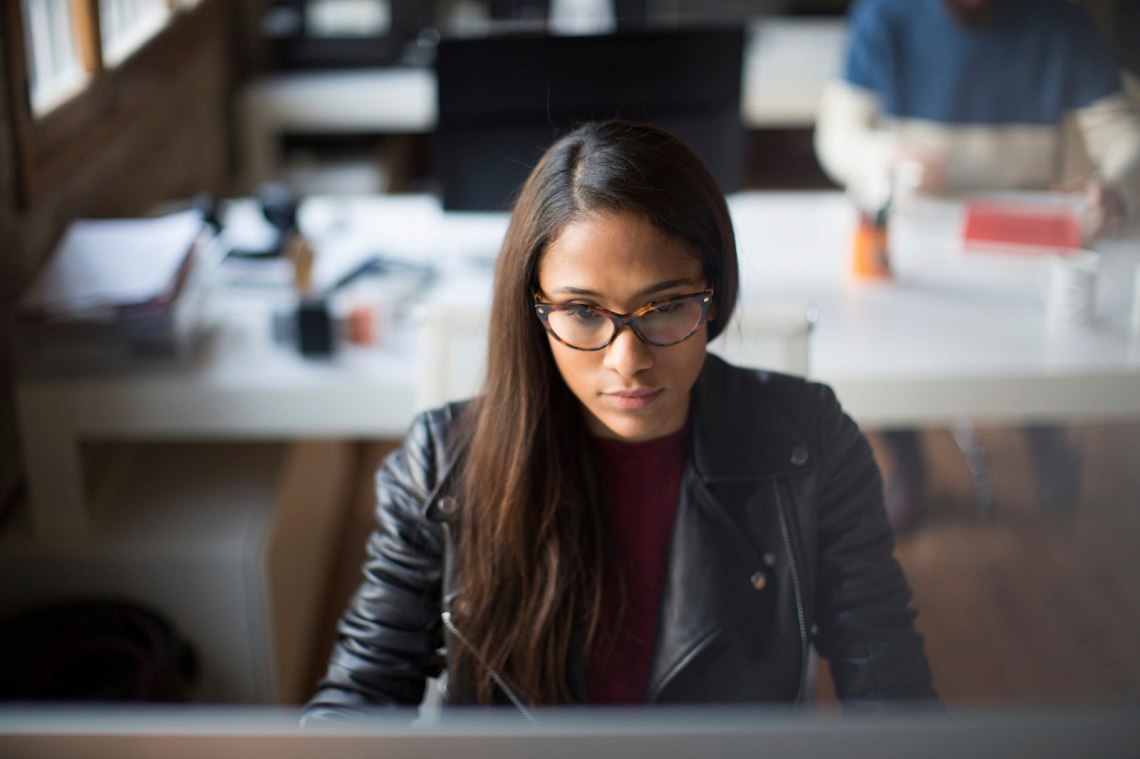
(627, 355)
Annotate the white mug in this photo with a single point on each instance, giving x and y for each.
(1070, 289)
(1136, 301)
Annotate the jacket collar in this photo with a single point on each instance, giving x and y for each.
(741, 428)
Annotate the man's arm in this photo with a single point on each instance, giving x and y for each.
(1110, 128)
(1106, 116)
(853, 143)
(852, 147)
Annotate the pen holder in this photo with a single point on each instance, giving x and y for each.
(869, 255)
(317, 330)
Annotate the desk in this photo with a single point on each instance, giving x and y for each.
(945, 342)
(787, 62)
(952, 338)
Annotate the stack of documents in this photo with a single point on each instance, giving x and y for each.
(114, 289)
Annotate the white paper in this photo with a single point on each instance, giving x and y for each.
(108, 262)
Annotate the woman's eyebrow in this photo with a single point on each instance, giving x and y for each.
(652, 289)
(666, 285)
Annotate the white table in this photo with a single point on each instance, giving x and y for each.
(245, 387)
(953, 337)
(945, 341)
(787, 63)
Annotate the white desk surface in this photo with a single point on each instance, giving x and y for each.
(947, 340)
(953, 336)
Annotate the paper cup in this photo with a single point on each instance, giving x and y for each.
(1070, 289)
(1136, 301)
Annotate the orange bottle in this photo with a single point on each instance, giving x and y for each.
(870, 257)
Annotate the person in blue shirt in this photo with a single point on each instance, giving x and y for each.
(981, 95)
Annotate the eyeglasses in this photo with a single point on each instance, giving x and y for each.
(590, 328)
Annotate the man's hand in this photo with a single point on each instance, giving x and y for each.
(920, 171)
(1104, 210)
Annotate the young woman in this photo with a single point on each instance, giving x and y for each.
(619, 517)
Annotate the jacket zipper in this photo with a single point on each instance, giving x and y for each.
(796, 589)
(499, 679)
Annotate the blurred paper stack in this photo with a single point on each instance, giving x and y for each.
(116, 292)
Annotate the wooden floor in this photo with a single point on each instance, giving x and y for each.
(1017, 607)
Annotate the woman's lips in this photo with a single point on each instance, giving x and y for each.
(631, 400)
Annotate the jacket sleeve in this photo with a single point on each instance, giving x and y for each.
(865, 626)
(390, 635)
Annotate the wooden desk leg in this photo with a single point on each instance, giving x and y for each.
(52, 465)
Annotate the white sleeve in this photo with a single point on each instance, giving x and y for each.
(852, 146)
(1110, 128)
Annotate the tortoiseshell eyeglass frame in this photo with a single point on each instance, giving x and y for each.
(543, 309)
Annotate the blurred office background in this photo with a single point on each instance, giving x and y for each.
(1017, 607)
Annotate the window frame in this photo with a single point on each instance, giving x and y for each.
(50, 146)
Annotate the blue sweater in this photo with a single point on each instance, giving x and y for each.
(1036, 60)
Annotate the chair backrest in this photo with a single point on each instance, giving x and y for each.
(452, 354)
(767, 337)
(453, 346)
(504, 98)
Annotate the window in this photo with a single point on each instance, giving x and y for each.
(78, 70)
(126, 25)
(60, 41)
(56, 69)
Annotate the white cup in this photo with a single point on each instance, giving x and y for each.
(1136, 301)
(1070, 289)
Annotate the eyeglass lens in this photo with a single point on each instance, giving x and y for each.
(584, 327)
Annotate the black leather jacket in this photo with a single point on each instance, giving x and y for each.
(780, 543)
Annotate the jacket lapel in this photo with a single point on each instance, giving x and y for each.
(741, 429)
(741, 435)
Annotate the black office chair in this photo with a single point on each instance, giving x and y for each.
(504, 98)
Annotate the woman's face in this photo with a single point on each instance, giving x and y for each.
(619, 261)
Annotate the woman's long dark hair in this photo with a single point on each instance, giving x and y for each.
(531, 547)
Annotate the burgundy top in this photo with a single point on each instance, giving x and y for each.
(639, 485)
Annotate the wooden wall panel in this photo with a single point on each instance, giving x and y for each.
(179, 144)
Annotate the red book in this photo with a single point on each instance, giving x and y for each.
(1021, 227)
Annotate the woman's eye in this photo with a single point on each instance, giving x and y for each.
(666, 308)
(584, 313)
